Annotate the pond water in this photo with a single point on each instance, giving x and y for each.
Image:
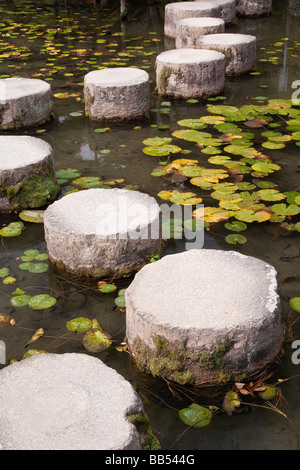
(60, 42)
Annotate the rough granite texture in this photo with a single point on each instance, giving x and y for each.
(96, 232)
(179, 10)
(202, 300)
(117, 94)
(228, 9)
(190, 73)
(26, 160)
(239, 50)
(24, 102)
(189, 30)
(66, 402)
(253, 8)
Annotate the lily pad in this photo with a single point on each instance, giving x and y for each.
(236, 226)
(295, 303)
(12, 230)
(196, 416)
(192, 123)
(161, 150)
(235, 238)
(96, 341)
(79, 325)
(269, 393)
(41, 301)
(20, 300)
(34, 216)
(4, 272)
(107, 288)
(88, 182)
(33, 352)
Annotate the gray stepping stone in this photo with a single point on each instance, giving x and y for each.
(189, 30)
(254, 8)
(24, 102)
(239, 50)
(100, 232)
(178, 10)
(204, 316)
(190, 73)
(117, 94)
(228, 8)
(67, 402)
(27, 174)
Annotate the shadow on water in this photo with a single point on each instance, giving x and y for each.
(61, 41)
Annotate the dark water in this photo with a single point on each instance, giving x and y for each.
(51, 40)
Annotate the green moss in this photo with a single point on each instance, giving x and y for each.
(142, 423)
(165, 74)
(176, 363)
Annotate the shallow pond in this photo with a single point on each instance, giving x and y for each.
(60, 42)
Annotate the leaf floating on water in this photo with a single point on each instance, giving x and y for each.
(120, 300)
(236, 239)
(196, 416)
(96, 340)
(295, 303)
(269, 393)
(20, 300)
(33, 352)
(4, 272)
(107, 288)
(231, 402)
(79, 325)
(38, 334)
(9, 280)
(6, 320)
(41, 301)
(34, 216)
(12, 230)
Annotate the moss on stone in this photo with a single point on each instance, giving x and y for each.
(176, 363)
(147, 438)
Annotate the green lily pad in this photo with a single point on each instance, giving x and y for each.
(236, 226)
(191, 135)
(18, 291)
(79, 325)
(231, 402)
(35, 268)
(88, 182)
(235, 238)
(192, 123)
(250, 216)
(153, 141)
(20, 300)
(270, 195)
(12, 230)
(102, 129)
(264, 167)
(4, 272)
(41, 301)
(31, 253)
(295, 303)
(161, 150)
(96, 341)
(107, 288)
(269, 393)
(34, 216)
(196, 416)
(287, 210)
(9, 280)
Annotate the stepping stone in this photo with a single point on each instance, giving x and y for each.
(100, 232)
(253, 8)
(204, 316)
(24, 102)
(190, 73)
(67, 402)
(228, 9)
(239, 49)
(179, 10)
(27, 174)
(117, 94)
(189, 30)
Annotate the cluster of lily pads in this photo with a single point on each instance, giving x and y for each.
(237, 172)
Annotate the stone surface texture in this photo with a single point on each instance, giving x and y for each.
(27, 173)
(239, 50)
(24, 102)
(189, 30)
(254, 8)
(98, 232)
(66, 402)
(216, 312)
(117, 94)
(179, 10)
(190, 73)
(228, 8)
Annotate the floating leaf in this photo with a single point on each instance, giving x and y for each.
(284, 209)
(102, 129)
(12, 230)
(231, 402)
(88, 182)
(270, 195)
(295, 303)
(196, 416)
(67, 174)
(9, 280)
(4, 272)
(5, 320)
(20, 300)
(153, 141)
(18, 291)
(161, 150)
(107, 288)
(33, 352)
(235, 238)
(269, 393)
(35, 268)
(265, 167)
(41, 301)
(236, 226)
(34, 216)
(96, 341)
(79, 325)
(38, 334)
(192, 123)
(245, 215)
(211, 214)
